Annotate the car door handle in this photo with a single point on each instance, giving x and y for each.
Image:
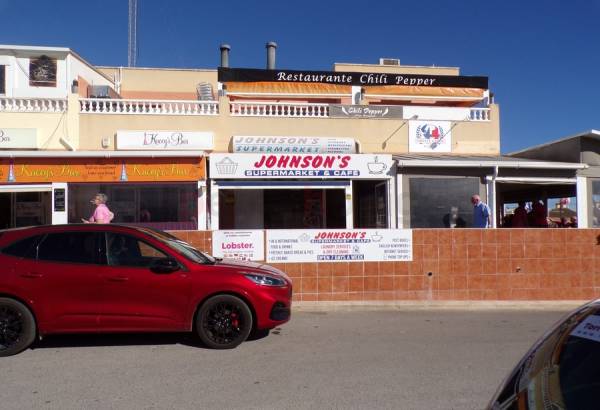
(31, 275)
(118, 279)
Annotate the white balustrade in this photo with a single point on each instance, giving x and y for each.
(9, 104)
(147, 107)
(267, 109)
(479, 114)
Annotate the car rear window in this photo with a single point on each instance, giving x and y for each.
(23, 248)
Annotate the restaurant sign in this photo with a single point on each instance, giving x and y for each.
(349, 78)
(365, 111)
(38, 170)
(161, 140)
(429, 136)
(242, 245)
(261, 166)
(339, 245)
(20, 138)
(293, 145)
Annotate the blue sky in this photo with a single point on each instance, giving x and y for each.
(542, 57)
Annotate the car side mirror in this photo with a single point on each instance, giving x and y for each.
(164, 265)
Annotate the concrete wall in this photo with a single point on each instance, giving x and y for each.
(459, 264)
(467, 137)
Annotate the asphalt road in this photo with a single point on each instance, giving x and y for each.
(394, 359)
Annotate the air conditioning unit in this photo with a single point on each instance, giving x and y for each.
(389, 61)
(205, 92)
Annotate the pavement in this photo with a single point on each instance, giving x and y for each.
(387, 358)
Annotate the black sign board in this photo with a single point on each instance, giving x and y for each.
(347, 78)
(59, 200)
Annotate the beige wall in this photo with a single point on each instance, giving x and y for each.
(394, 69)
(467, 137)
(160, 83)
(50, 127)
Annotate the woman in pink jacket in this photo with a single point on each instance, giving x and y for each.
(101, 215)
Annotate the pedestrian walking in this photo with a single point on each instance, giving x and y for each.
(481, 213)
(101, 215)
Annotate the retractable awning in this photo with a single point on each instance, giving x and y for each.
(268, 89)
(405, 92)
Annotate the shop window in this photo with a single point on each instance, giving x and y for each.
(596, 203)
(160, 206)
(370, 204)
(2, 79)
(24, 209)
(441, 202)
(42, 72)
(282, 209)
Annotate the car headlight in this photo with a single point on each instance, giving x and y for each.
(265, 280)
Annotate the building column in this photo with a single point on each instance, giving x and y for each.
(349, 208)
(214, 206)
(399, 202)
(202, 206)
(60, 203)
(582, 203)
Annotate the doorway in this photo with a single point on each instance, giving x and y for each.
(19, 209)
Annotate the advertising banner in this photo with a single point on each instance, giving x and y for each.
(293, 145)
(243, 245)
(23, 138)
(34, 170)
(366, 111)
(261, 166)
(226, 74)
(339, 245)
(429, 136)
(161, 140)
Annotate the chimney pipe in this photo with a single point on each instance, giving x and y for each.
(225, 55)
(271, 46)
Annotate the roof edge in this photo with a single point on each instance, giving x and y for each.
(545, 144)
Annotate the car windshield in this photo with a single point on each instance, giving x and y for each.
(562, 370)
(180, 246)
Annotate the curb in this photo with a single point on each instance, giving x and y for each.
(549, 305)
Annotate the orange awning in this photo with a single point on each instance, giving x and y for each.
(287, 89)
(434, 93)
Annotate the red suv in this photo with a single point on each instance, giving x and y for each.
(115, 278)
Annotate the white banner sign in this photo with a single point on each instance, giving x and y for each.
(353, 166)
(161, 140)
(339, 245)
(589, 328)
(429, 136)
(293, 145)
(25, 138)
(244, 245)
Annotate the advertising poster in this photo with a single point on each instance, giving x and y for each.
(429, 136)
(339, 245)
(293, 145)
(242, 245)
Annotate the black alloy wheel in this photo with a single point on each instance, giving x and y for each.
(17, 327)
(223, 322)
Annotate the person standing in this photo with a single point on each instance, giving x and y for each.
(101, 215)
(519, 219)
(481, 213)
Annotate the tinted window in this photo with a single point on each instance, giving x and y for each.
(125, 250)
(25, 248)
(74, 247)
(2, 79)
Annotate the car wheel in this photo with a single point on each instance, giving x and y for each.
(17, 327)
(223, 322)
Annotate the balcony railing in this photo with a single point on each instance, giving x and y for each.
(268, 109)
(307, 110)
(8, 104)
(148, 107)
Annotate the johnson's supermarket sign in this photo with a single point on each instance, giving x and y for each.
(339, 245)
(341, 166)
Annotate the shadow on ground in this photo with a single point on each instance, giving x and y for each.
(129, 339)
